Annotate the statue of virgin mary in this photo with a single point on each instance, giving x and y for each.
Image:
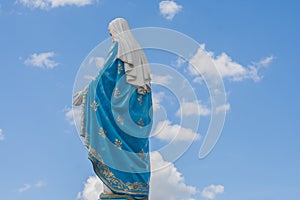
(117, 117)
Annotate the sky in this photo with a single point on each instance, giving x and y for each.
(253, 45)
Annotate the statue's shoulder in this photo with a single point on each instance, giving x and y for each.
(114, 46)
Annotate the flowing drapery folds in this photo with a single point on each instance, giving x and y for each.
(116, 123)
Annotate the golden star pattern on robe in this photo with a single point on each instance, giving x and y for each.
(95, 105)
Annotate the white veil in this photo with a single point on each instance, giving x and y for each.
(136, 65)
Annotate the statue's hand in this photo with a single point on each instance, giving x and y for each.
(78, 98)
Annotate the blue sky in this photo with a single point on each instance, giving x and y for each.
(257, 156)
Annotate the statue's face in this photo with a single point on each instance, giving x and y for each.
(111, 34)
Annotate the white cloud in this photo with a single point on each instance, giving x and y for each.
(169, 9)
(179, 62)
(201, 65)
(98, 61)
(27, 186)
(211, 191)
(1, 135)
(157, 98)
(47, 4)
(224, 107)
(42, 4)
(73, 115)
(198, 79)
(95, 65)
(92, 189)
(79, 3)
(43, 60)
(166, 131)
(40, 184)
(161, 79)
(89, 77)
(166, 183)
(266, 61)
(255, 67)
(192, 108)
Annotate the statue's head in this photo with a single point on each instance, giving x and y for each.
(117, 27)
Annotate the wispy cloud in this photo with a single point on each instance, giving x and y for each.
(89, 77)
(211, 191)
(27, 186)
(42, 60)
(188, 108)
(169, 9)
(179, 62)
(254, 69)
(227, 67)
(223, 108)
(97, 61)
(40, 184)
(161, 79)
(73, 115)
(1, 135)
(157, 99)
(167, 131)
(48, 4)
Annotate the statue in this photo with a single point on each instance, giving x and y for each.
(117, 117)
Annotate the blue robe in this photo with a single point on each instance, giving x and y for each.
(116, 123)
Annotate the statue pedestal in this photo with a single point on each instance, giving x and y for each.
(115, 197)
